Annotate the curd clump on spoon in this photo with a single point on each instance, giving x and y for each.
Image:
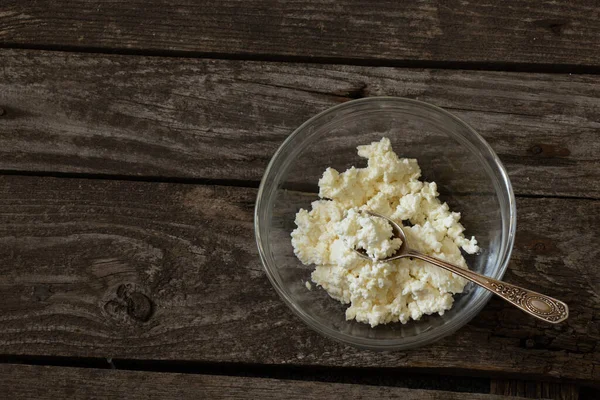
(381, 292)
(372, 234)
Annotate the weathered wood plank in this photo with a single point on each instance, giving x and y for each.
(535, 390)
(170, 271)
(212, 119)
(519, 31)
(28, 382)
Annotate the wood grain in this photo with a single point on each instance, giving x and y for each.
(535, 390)
(28, 382)
(92, 268)
(517, 31)
(209, 119)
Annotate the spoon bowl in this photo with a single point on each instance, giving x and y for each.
(397, 232)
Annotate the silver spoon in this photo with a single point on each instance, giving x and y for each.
(539, 305)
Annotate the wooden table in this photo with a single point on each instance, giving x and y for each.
(133, 136)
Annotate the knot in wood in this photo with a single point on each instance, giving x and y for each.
(139, 307)
(2, 111)
(556, 27)
(127, 304)
(536, 149)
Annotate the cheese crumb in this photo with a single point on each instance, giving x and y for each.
(381, 292)
(373, 234)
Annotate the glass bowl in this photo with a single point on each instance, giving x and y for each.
(470, 178)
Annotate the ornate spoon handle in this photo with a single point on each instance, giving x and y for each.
(539, 305)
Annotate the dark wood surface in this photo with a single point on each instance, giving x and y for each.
(133, 136)
(215, 119)
(34, 382)
(142, 270)
(516, 31)
(534, 389)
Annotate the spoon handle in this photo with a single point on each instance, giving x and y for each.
(539, 305)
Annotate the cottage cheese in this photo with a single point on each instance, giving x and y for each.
(381, 292)
(373, 234)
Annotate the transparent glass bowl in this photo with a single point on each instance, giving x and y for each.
(470, 178)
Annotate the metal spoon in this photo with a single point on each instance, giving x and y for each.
(539, 305)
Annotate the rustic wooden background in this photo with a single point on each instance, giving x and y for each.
(133, 136)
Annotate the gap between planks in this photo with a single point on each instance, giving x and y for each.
(24, 382)
(221, 182)
(455, 381)
(541, 68)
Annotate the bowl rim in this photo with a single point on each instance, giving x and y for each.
(427, 336)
